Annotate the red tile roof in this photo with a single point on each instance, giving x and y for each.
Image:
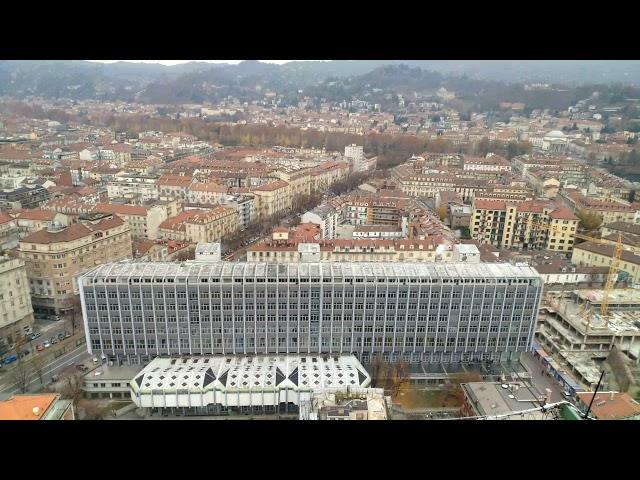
(72, 232)
(605, 408)
(121, 209)
(175, 180)
(5, 218)
(270, 187)
(35, 214)
(490, 205)
(563, 213)
(209, 187)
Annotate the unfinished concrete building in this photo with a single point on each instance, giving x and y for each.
(572, 328)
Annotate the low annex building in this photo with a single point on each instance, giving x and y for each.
(217, 384)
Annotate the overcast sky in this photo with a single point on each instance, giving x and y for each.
(176, 62)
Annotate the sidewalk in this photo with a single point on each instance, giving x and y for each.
(540, 379)
(43, 326)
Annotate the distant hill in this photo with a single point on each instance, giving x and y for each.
(196, 82)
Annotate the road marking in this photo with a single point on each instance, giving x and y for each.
(51, 366)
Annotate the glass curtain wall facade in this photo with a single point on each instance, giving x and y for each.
(399, 311)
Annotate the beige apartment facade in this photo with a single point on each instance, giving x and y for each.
(213, 226)
(16, 311)
(144, 222)
(272, 198)
(531, 224)
(55, 258)
(592, 254)
(201, 225)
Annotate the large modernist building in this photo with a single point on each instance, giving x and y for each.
(399, 311)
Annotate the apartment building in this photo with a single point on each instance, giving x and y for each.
(533, 224)
(609, 210)
(150, 251)
(326, 174)
(490, 163)
(206, 193)
(355, 154)
(144, 222)
(198, 225)
(415, 181)
(284, 249)
(176, 186)
(326, 217)
(29, 221)
(591, 254)
(24, 197)
(245, 205)
(213, 225)
(523, 163)
(16, 312)
(299, 180)
(414, 312)
(55, 257)
(272, 198)
(144, 187)
(624, 228)
(8, 231)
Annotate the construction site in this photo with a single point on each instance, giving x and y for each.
(587, 337)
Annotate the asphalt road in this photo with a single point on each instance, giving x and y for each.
(53, 367)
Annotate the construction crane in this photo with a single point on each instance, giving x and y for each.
(614, 268)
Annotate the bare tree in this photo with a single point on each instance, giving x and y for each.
(377, 367)
(37, 365)
(75, 316)
(454, 387)
(92, 410)
(20, 375)
(71, 386)
(399, 377)
(21, 371)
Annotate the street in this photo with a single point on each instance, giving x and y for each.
(49, 329)
(77, 355)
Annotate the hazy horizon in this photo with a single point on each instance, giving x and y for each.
(178, 62)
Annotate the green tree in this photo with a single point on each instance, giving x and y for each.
(589, 220)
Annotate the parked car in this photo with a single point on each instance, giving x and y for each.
(53, 340)
(67, 334)
(82, 368)
(35, 335)
(24, 353)
(39, 347)
(46, 344)
(61, 336)
(10, 359)
(567, 394)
